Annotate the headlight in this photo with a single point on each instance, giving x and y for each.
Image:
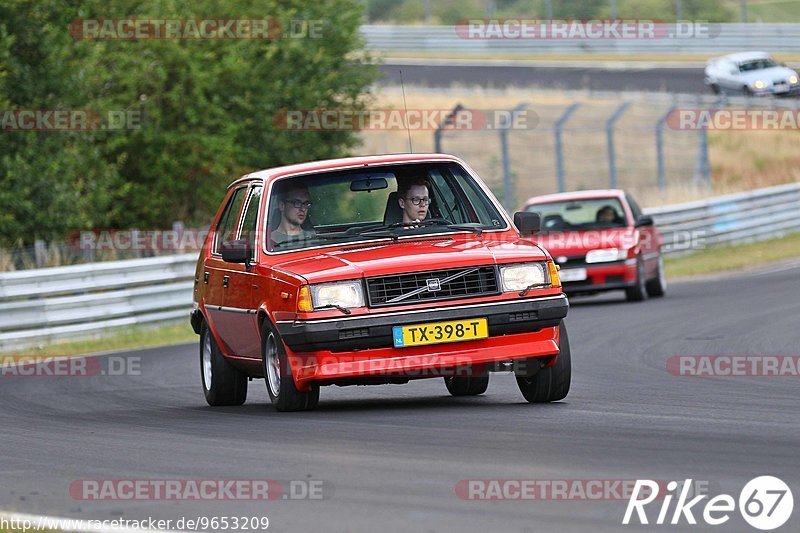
(758, 84)
(793, 79)
(519, 277)
(339, 294)
(606, 254)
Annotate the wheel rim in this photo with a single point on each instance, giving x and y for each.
(273, 366)
(207, 361)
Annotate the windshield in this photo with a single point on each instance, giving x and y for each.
(757, 64)
(593, 213)
(376, 203)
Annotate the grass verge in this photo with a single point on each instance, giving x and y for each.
(730, 258)
(130, 339)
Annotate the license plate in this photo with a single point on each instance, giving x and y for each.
(440, 332)
(781, 88)
(572, 274)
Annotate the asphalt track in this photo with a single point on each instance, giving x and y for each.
(393, 454)
(671, 80)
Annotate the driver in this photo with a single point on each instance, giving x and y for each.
(607, 215)
(294, 204)
(414, 200)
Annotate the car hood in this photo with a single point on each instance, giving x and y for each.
(575, 243)
(409, 256)
(767, 75)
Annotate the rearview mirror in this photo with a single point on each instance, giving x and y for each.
(527, 223)
(237, 251)
(644, 220)
(369, 184)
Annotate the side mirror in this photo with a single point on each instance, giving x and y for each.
(237, 251)
(644, 220)
(527, 223)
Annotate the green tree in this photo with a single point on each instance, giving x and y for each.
(207, 108)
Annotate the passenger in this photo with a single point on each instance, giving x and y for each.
(412, 195)
(294, 204)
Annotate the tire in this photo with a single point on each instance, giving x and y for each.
(638, 292)
(223, 384)
(467, 386)
(657, 287)
(552, 383)
(715, 88)
(282, 390)
(747, 91)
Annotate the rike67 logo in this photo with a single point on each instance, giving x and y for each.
(765, 502)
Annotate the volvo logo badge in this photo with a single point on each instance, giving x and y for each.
(433, 284)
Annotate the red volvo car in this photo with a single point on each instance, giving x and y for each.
(374, 270)
(602, 241)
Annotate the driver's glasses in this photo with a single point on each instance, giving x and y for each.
(299, 204)
(419, 201)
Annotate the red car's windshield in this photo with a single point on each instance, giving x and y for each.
(578, 215)
(366, 203)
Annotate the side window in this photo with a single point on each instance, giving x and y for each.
(635, 209)
(226, 230)
(249, 220)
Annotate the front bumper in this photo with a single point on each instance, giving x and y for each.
(603, 277)
(375, 330)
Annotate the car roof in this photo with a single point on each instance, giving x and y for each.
(742, 57)
(576, 195)
(346, 162)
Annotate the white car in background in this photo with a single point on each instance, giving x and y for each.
(753, 73)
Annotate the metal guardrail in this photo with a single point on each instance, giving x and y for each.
(725, 37)
(55, 304)
(734, 218)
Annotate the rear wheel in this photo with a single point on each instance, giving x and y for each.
(467, 386)
(638, 292)
(223, 384)
(551, 383)
(715, 88)
(282, 390)
(657, 286)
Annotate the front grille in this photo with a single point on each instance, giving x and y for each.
(479, 281)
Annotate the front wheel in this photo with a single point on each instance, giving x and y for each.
(282, 390)
(552, 383)
(222, 383)
(638, 292)
(657, 286)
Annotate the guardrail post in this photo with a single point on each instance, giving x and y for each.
(561, 181)
(661, 171)
(612, 159)
(702, 173)
(437, 135)
(503, 131)
(40, 253)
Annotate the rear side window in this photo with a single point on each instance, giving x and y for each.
(228, 222)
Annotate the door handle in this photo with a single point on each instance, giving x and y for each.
(225, 280)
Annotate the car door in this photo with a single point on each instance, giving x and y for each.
(217, 273)
(242, 282)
